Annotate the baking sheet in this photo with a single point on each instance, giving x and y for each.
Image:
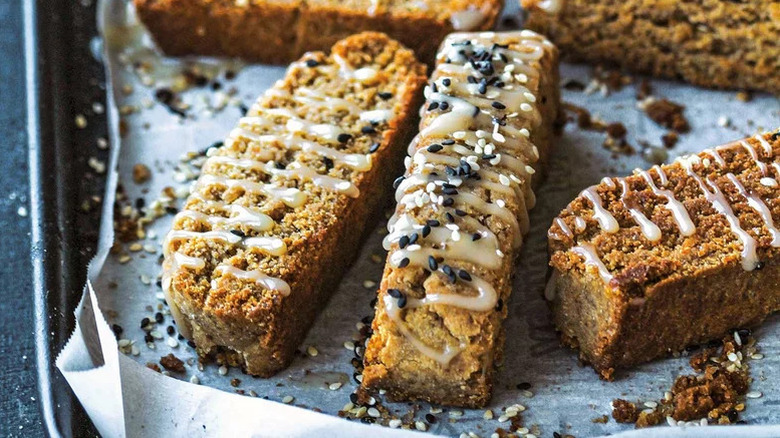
(123, 397)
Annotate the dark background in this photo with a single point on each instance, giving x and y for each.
(70, 82)
(18, 393)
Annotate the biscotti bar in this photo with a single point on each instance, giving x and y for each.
(276, 215)
(275, 31)
(712, 43)
(671, 257)
(462, 211)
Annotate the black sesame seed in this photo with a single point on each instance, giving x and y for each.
(471, 79)
(279, 165)
(448, 202)
(464, 275)
(449, 191)
(190, 344)
(164, 95)
(732, 415)
(449, 216)
(398, 182)
(433, 223)
(159, 318)
(171, 210)
(446, 82)
(145, 322)
(355, 377)
(230, 75)
(523, 386)
(328, 163)
(368, 129)
(117, 329)
(488, 156)
(460, 212)
(402, 302)
(353, 398)
(243, 109)
(404, 262)
(430, 418)
(140, 203)
(171, 330)
(373, 148)
(433, 106)
(482, 89)
(426, 230)
(395, 293)
(434, 88)
(444, 106)
(499, 105)
(556, 435)
(148, 338)
(475, 237)
(448, 142)
(238, 233)
(403, 241)
(312, 63)
(343, 138)
(434, 148)
(447, 269)
(413, 238)
(384, 95)
(744, 333)
(432, 263)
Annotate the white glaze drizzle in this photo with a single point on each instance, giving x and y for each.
(675, 207)
(605, 219)
(465, 116)
(273, 127)
(588, 252)
(765, 144)
(754, 155)
(258, 277)
(721, 205)
(649, 229)
(760, 206)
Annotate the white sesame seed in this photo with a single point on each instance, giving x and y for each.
(124, 342)
(135, 351)
(703, 422)
(312, 351)
(395, 423)
(499, 137)
(436, 410)
(531, 98)
(737, 339)
(156, 334)
(368, 284)
(374, 412)
(172, 342)
(757, 356)
(335, 386)
(526, 107)
(488, 415)
(530, 435)
(419, 425)
(671, 421)
(349, 345)
(288, 399)
(223, 370)
(456, 414)
(503, 419)
(723, 121)
(194, 379)
(754, 394)
(501, 203)
(651, 404)
(459, 135)
(503, 179)
(732, 357)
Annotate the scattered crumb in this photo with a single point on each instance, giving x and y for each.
(600, 420)
(744, 96)
(667, 114)
(624, 411)
(670, 139)
(644, 90)
(172, 363)
(153, 366)
(141, 173)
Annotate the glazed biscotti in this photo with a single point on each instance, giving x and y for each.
(279, 31)
(712, 43)
(681, 254)
(277, 213)
(462, 211)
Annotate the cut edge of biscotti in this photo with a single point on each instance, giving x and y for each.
(489, 115)
(670, 257)
(288, 185)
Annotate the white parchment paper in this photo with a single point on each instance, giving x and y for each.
(124, 398)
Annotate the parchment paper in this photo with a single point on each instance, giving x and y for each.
(124, 398)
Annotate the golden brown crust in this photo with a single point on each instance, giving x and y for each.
(700, 285)
(393, 358)
(275, 31)
(710, 43)
(261, 326)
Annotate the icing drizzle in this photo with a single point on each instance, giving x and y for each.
(471, 161)
(254, 172)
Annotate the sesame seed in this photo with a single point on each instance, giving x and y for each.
(419, 425)
(432, 263)
(312, 63)
(223, 370)
(335, 386)
(343, 138)
(195, 380)
(373, 148)
(368, 129)
(754, 394)
(395, 423)
(498, 105)
(374, 412)
(288, 399)
(385, 95)
(434, 148)
(404, 262)
(312, 351)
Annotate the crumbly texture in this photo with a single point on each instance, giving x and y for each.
(712, 43)
(695, 284)
(717, 395)
(256, 327)
(279, 31)
(392, 362)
